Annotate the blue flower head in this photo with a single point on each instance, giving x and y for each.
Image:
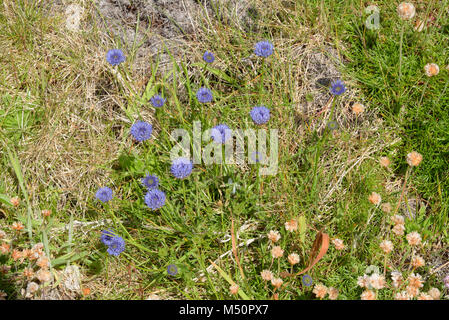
(150, 181)
(157, 101)
(155, 199)
(107, 236)
(208, 57)
(221, 133)
(172, 270)
(307, 280)
(260, 114)
(204, 95)
(263, 49)
(141, 130)
(116, 246)
(115, 57)
(104, 194)
(337, 87)
(181, 168)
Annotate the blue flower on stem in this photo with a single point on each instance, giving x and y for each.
(141, 130)
(337, 87)
(115, 57)
(263, 49)
(181, 168)
(208, 57)
(204, 95)
(104, 194)
(155, 199)
(221, 133)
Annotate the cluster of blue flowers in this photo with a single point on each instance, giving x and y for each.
(181, 168)
(115, 244)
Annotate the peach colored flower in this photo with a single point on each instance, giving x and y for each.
(333, 293)
(406, 10)
(377, 281)
(234, 289)
(434, 293)
(386, 207)
(431, 69)
(386, 246)
(28, 273)
(43, 262)
(412, 291)
(291, 225)
(415, 280)
(46, 213)
(267, 275)
(418, 261)
(32, 287)
(4, 248)
(413, 238)
(397, 219)
(320, 290)
(375, 198)
(384, 162)
(15, 201)
(277, 252)
(368, 295)
(17, 226)
(363, 281)
(338, 243)
(398, 229)
(293, 258)
(277, 282)
(16, 255)
(358, 108)
(397, 279)
(274, 236)
(414, 159)
(43, 275)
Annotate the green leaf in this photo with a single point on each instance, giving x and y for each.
(5, 199)
(302, 228)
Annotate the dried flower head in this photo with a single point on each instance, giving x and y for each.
(277, 252)
(358, 108)
(233, 289)
(3, 295)
(2, 234)
(5, 269)
(413, 238)
(32, 287)
(17, 226)
(397, 219)
(386, 246)
(384, 162)
(293, 258)
(368, 295)
(414, 158)
(406, 10)
(418, 261)
(15, 201)
(431, 69)
(338, 243)
(333, 293)
(386, 207)
(291, 225)
(266, 275)
(277, 282)
(274, 236)
(398, 229)
(320, 290)
(375, 198)
(446, 281)
(434, 293)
